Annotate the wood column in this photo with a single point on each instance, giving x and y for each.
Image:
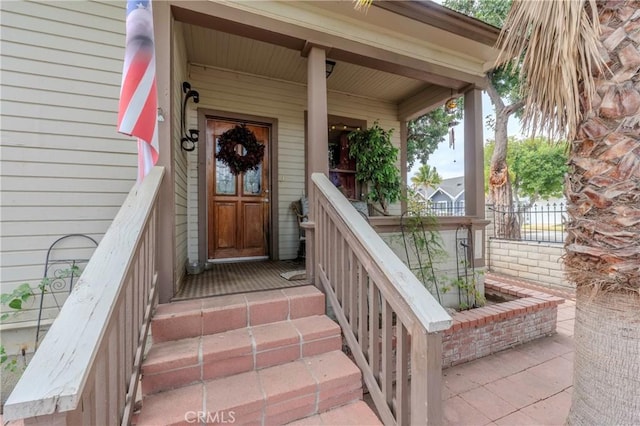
(473, 155)
(474, 168)
(317, 143)
(166, 244)
(404, 133)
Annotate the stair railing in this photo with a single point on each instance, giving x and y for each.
(391, 323)
(87, 367)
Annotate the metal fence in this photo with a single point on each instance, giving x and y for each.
(537, 222)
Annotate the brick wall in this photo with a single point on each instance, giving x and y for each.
(529, 260)
(483, 331)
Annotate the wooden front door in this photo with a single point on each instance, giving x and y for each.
(237, 206)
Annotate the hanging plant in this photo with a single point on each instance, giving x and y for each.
(238, 163)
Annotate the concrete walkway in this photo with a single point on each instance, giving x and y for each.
(527, 385)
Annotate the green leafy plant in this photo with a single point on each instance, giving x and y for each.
(376, 159)
(469, 291)
(536, 167)
(424, 242)
(17, 301)
(425, 133)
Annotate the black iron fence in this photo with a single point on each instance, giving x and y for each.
(537, 222)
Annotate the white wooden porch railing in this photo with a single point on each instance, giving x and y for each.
(86, 369)
(390, 321)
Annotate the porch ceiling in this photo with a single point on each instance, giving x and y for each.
(220, 49)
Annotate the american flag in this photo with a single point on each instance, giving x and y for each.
(137, 114)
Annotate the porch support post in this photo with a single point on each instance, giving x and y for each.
(474, 170)
(473, 155)
(165, 243)
(318, 134)
(404, 132)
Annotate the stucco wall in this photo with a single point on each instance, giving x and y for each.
(448, 267)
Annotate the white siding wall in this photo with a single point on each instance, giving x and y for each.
(247, 94)
(180, 156)
(65, 169)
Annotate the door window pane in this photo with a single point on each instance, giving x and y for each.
(253, 181)
(225, 180)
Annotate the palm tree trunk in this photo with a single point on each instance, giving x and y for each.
(569, 92)
(603, 240)
(606, 377)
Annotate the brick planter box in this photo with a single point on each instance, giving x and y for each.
(482, 331)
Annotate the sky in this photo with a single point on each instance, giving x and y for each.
(450, 162)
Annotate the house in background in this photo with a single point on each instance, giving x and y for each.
(66, 170)
(447, 199)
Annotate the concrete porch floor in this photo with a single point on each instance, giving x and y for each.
(527, 385)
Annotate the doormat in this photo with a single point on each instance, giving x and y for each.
(299, 274)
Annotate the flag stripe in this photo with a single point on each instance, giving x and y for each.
(137, 112)
(149, 110)
(137, 91)
(146, 159)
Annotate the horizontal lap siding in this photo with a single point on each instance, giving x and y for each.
(239, 93)
(64, 167)
(247, 94)
(181, 164)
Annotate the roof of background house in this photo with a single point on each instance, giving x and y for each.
(453, 187)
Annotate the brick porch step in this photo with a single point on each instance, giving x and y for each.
(177, 363)
(265, 358)
(271, 396)
(354, 414)
(193, 318)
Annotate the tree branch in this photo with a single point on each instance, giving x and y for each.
(497, 101)
(514, 107)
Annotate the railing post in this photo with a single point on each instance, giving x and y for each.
(310, 238)
(56, 419)
(426, 363)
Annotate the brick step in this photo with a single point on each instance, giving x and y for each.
(356, 414)
(170, 365)
(271, 396)
(193, 318)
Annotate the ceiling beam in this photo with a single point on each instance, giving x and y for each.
(424, 102)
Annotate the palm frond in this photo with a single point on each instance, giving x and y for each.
(362, 4)
(555, 46)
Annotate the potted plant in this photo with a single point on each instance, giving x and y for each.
(376, 168)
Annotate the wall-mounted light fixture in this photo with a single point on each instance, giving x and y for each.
(188, 141)
(330, 66)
